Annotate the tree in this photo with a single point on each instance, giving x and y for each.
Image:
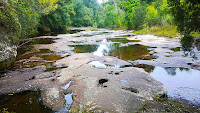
(139, 17)
(129, 7)
(152, 16)
(61, 18)
(186, 15)
(28, 13)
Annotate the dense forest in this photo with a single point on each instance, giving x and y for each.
(56, 15)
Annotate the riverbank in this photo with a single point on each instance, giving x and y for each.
(164, 31)
(101, 67)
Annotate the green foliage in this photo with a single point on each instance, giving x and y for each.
(74, 13)
(114, 18)
(137, 14)
(139, 17)
(186, 15)
(28, 13)
(152, 16)
(87, 13)
(79, 13)
(60, 18)
(166, 31)
(130, 7)
(187, 43)
(47, 5)
(28, 16)
(109, 20)
(5, 111)
(115, 14)
(9, 24)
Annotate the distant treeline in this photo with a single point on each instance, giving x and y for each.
(57, 15)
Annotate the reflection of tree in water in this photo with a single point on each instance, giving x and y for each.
(111, 47)
(171, 70)
(197, 44)
(130, 52)
(184, 69)
(147, 68)
(188, 45)
(84, 48)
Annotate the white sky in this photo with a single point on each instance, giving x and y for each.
(100, 1)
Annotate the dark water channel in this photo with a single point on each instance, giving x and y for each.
(25, 102)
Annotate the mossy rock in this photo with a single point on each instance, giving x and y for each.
(9, 35)
(6, 63)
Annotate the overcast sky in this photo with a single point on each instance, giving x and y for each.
(100, 1)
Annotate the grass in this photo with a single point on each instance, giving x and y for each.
(165, 31)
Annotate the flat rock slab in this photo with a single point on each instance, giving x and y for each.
(99, 84)
(111, 89)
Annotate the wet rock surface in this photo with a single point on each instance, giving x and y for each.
(105, 77)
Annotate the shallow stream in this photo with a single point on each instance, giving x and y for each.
(167, 60)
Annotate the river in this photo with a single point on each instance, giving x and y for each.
(169, 61)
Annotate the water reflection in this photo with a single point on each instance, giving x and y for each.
(147, 68)
(130, 52)
(98, 64)
(182, 83)
(25, 102)
(197, 44)
(189, 46)
(28, 57)
(125, 35)
(87, 48)
(121, 40)
(172, 70)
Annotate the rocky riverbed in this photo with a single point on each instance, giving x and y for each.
(95, 71)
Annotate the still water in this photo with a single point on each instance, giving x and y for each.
(125, 52)
(182, 83)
